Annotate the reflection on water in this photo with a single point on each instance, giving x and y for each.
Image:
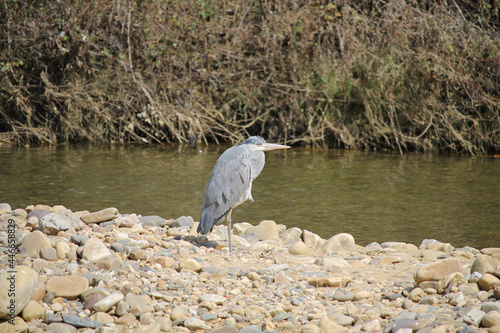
(376, 197)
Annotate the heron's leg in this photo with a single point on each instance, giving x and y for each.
(228, 219)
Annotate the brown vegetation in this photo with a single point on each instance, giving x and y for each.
(402, 75)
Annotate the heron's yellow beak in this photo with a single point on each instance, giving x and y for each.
(273, 146)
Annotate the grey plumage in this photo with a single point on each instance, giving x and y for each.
(230, 182)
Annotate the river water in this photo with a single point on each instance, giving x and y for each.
(376, 197)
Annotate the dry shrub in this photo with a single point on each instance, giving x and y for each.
(371, 74)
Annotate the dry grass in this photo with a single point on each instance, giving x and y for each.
(399, 75)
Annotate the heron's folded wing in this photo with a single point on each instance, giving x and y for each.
(226, 186)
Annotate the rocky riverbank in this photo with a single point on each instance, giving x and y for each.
(108, 272)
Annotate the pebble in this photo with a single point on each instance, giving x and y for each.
(94, 250)
(67, 286)
(126, 273)
(108, 302)
(34, 242)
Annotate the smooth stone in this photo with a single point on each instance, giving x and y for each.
(152, 220)
(488, 281)
(5, 208)
(291, 234)
(342, 243)
(19, 326)
(137, 254)
(209, 316)
(91, 300)
(48, 253)
(78, 322)
(266, 230)
(94, 250)
(341, 319)
(126, 320)
(61, 220)
(437, 270)
(328, 281)
(39, 292)
(483, 264)
(404, 323)
(491, 319)
(165, 323)
(100, 216)
(34, 242)
(300, 248)
(329, 326)
(215, 298)
(110, 263)
(334, 262)
(122, 308)
(103, 318)
(180, 312)
(163, 261)
(416, 294)
(492, 251)
(108, 302)
(190, 265)
(79, 239)
(62, 249)
(38, 213)
(24, 282)
(33, 310)
(311, 328)
(60, 328)
(141, 303)
(146, 319)
(233, 329)
(343, 295)
(183, 221)
(490, 306)
(194, 324)
(312, 240)
(70, 287)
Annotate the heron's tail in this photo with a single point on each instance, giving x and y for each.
(206, 225)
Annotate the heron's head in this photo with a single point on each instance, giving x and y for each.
(256, 143)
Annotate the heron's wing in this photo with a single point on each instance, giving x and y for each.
(226, 187)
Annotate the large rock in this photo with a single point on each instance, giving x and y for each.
(110, 263)
(183, 221)
(48, 253)
(19, 326)
(312, 240)
(437, 270)
(483, 264)
(101, 216)
(94, 250)
(300, 248)
(180, 312)
(266, 230)
(33, 310)
(70, 287)
(488, 281)
(190, 265)
(61, 220)
(341, 242)
(34, 242)
(16, 290)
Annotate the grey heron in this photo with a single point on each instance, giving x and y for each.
(230, 183)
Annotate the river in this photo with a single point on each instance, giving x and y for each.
(374, 196)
